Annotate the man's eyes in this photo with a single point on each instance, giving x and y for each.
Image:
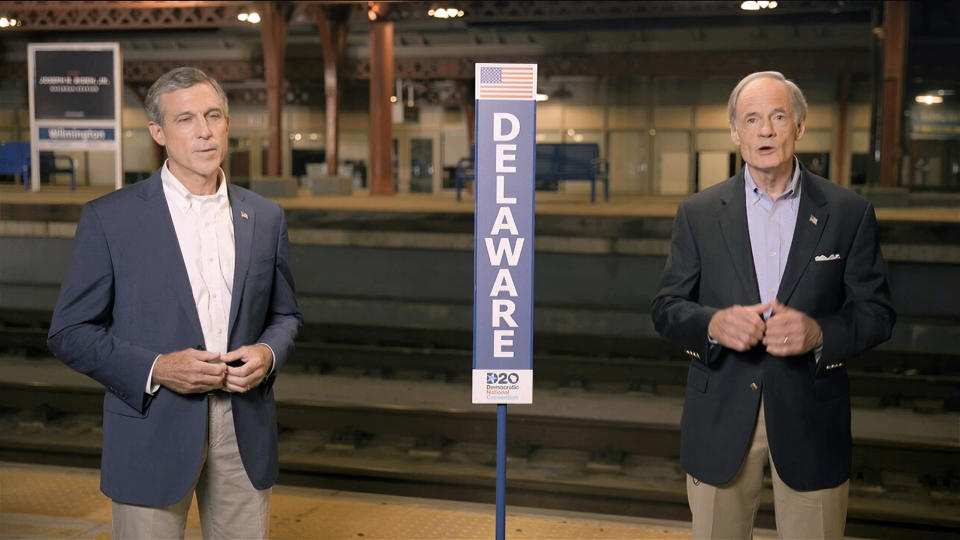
(777, 117)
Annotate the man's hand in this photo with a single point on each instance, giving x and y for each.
(249, 365)
(791, 332)
(190, 371)
(738, 327)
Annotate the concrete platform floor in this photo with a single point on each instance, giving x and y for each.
(63, 502)
(547, 203)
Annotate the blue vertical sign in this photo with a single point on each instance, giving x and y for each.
(503, 248)
(503, 233)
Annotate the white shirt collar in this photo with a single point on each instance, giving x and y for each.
(178, 194)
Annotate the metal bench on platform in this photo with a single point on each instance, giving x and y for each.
(556, 163)
(51, 164)
(15, 160)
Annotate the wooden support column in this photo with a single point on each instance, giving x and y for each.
(895, 16)
(469, 107)
(381, 88)
(843, 99)
(159, 152)
(273, 37)
(332, 23)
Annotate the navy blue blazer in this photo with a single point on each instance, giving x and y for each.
(126, 298)
(834, 273)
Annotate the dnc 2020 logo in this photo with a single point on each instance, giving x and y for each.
(502, 378)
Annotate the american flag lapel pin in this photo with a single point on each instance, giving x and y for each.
(245, 216)
(813, 219)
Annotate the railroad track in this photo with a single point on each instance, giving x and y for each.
(900, 489)
(878, 379)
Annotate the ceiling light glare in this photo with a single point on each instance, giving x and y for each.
(445, 13)
(929, 99)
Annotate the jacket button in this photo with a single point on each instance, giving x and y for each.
(753, 386)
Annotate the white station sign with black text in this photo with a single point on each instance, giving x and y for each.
(75, 100)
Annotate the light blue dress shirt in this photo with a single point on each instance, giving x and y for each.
(771, 224)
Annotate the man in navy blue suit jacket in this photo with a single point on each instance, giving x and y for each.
(773, 282)
(179, 299)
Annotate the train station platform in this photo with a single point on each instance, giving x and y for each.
(376, 396)
(349, 432)
(547, 203)
(407, 261)
(43, 501)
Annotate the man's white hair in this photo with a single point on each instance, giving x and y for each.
(799, 102)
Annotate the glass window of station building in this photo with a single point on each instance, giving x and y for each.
(647, 82)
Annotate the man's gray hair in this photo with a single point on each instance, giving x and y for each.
(799, 102)
(178, 79)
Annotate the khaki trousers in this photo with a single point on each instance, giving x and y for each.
(729, 511)
(229, 506)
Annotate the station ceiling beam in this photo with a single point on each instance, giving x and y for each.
(173, 15)
(703, 63)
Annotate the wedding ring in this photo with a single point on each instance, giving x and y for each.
(786, 340)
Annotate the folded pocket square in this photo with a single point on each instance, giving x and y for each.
(823, 258)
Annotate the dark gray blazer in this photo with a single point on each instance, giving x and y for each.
(126, 298)
(710, 267)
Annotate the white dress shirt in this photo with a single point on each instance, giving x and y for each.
(204, 227)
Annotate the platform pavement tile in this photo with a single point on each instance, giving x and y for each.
(63, 502)
(301, 513)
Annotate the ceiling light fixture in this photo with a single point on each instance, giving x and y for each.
(445, 13)
(251, 17)
(757, 5)
(9, 23)
(929, 99)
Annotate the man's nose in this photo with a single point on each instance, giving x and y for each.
(766, 128)
(203, 129)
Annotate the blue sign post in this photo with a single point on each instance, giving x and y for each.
(503, 247)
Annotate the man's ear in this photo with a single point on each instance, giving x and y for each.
(801, 129)
(734, 135)
(157, 133)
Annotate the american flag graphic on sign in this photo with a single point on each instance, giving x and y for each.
(506, 81)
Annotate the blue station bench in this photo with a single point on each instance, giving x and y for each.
(15, 160)
(556, 162)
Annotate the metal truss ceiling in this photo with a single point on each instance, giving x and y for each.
(72, 16)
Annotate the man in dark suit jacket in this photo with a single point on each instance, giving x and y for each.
(773, 282)
(179, 299)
